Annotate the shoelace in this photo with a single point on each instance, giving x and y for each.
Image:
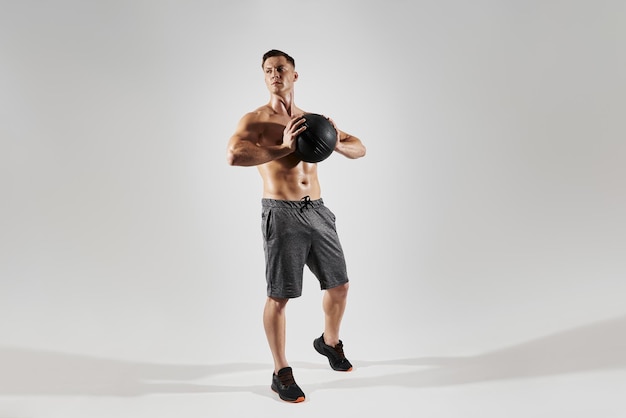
(305, 202)
(339, 349)
(286, 379)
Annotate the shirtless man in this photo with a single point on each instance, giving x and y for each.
(298, 229)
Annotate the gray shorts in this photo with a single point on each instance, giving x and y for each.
(295, 234)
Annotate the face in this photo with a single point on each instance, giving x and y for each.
(279, 74)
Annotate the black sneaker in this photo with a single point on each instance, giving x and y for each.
(285, 385)
(336, 358)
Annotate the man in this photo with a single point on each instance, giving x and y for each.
(298, 229)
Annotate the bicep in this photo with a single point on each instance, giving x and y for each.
(346, 137)
(242, 144)
(244, 135)
(242, 139)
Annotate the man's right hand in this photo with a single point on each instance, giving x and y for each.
(294, 128)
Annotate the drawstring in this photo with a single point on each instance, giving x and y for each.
(305, 202)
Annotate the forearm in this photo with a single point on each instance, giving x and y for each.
(351, 147)
(247, 154)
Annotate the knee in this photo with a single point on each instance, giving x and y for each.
(276, 304)
(340, 292)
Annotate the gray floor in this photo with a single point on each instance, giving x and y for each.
(578, 372)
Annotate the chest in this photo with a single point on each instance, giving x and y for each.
(272, 130)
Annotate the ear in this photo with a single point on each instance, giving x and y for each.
(295, 76)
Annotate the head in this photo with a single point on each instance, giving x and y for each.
(280, 71)
(277, 53)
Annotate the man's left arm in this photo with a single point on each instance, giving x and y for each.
(349, 146)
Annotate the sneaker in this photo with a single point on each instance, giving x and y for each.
(285, 385)
(336, 358)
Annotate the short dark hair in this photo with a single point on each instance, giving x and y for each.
(277, 53)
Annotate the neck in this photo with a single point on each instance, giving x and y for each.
(283, 104)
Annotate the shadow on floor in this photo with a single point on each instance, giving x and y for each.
(32, 372)
(595, 347)
(598, 346)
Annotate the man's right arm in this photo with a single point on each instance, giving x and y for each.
(244, 148)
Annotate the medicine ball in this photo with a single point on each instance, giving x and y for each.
(317, 141)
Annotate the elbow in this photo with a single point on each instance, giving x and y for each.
(359, 153)
(231, 157)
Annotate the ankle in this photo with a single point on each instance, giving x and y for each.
(280, 365)
(332, 342)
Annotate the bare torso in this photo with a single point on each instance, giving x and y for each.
(266, 138)
(286, 178)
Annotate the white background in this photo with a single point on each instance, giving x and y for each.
(484, 231)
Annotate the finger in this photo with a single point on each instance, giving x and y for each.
(291, 125)
(299, 122)
(332, 122)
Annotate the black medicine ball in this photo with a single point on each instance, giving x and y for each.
(317, 141)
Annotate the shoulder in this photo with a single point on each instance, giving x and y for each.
(253, 124)
(253, 118)
(260, 114)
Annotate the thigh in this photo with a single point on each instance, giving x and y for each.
(286, 245)
(326, 258)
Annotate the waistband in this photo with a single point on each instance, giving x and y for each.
(301, 204)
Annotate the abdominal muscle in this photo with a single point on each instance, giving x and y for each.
(289, 179)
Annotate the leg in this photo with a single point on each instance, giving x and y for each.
(334, 304)
(283, 382)
(274, 321)
(329, 344)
